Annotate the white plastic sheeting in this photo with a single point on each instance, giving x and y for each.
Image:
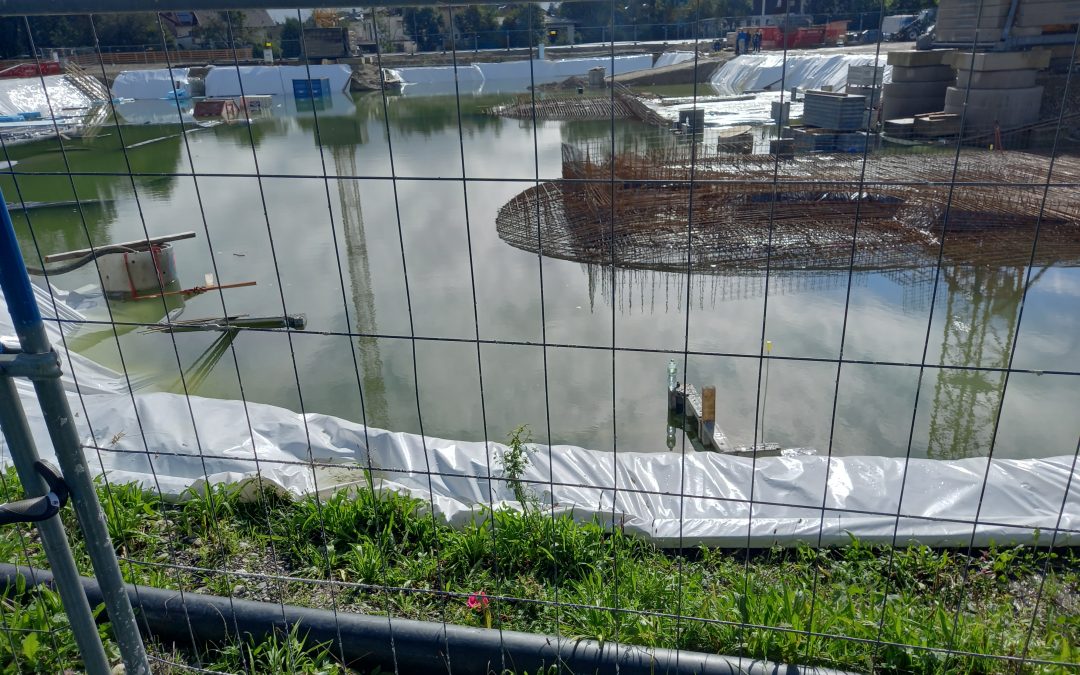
(466, 75)
(270, 80)
(26, 94)
(544, 71)
(944, 503)
(763, 72)
(157, 83)
(673, 58)
(511, 75)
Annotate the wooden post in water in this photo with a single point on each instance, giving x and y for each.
(707, 419)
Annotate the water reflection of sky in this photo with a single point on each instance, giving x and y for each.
(327, 264)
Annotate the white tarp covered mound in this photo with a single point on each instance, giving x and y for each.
(672, 58)
(941, 503)
(149, 84)
(765, 72)
(25, 94)
(270, 80)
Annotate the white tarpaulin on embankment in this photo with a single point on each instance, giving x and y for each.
(511, 75)
(26, 94)
(176, 442)
(156, 83)
(272, 80)
(779, 70)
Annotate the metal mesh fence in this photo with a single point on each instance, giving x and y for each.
(470, 372)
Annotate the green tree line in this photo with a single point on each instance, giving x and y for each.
(113, 30)
(76, 31)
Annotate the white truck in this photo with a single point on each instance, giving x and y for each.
(895, 23)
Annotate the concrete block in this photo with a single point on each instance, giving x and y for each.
(915, 89)
(1009, 108)
(1036, 58)
(985, 21)
(865, 75)
(937, 125)
(1003, 98)
(1043, 13)
(871, 94)
(899, 128)
(895, 108)
(965, 36)
(912, 58)
(966, 8)
(923, 73)
(996, 79)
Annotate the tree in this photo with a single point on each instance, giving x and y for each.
(113, 30)
(290, 39)
(425, 26)
(128, 29)
(478, 24)
(524, 24)
(217, 29)
(592, 17)
(13, 42)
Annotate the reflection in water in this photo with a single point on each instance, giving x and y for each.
(653, 292)
(348, 134)
(979, 327)
(978, 306)
(974, 318)
(749, 213)
(195, 374)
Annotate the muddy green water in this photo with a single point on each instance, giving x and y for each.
(341, 262)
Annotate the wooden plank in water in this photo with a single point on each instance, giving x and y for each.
(717, 439)
(137, 245)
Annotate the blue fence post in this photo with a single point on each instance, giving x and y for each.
(33, 340)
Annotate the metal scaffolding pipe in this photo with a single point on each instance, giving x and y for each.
(417, 646)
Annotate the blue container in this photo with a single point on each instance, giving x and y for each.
(311, 88)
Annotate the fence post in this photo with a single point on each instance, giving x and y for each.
(15, 284)
(53, 537)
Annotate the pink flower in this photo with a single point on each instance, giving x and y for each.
(478, 602)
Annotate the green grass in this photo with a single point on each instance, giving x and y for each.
(556, 576)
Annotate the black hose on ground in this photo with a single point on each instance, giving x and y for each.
(419, 646)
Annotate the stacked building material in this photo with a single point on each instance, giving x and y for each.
(828, 110)
(996, 88)
(866, 81)
(833, 122)
(919, 82)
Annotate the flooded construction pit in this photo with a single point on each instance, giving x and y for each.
(398, 265)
